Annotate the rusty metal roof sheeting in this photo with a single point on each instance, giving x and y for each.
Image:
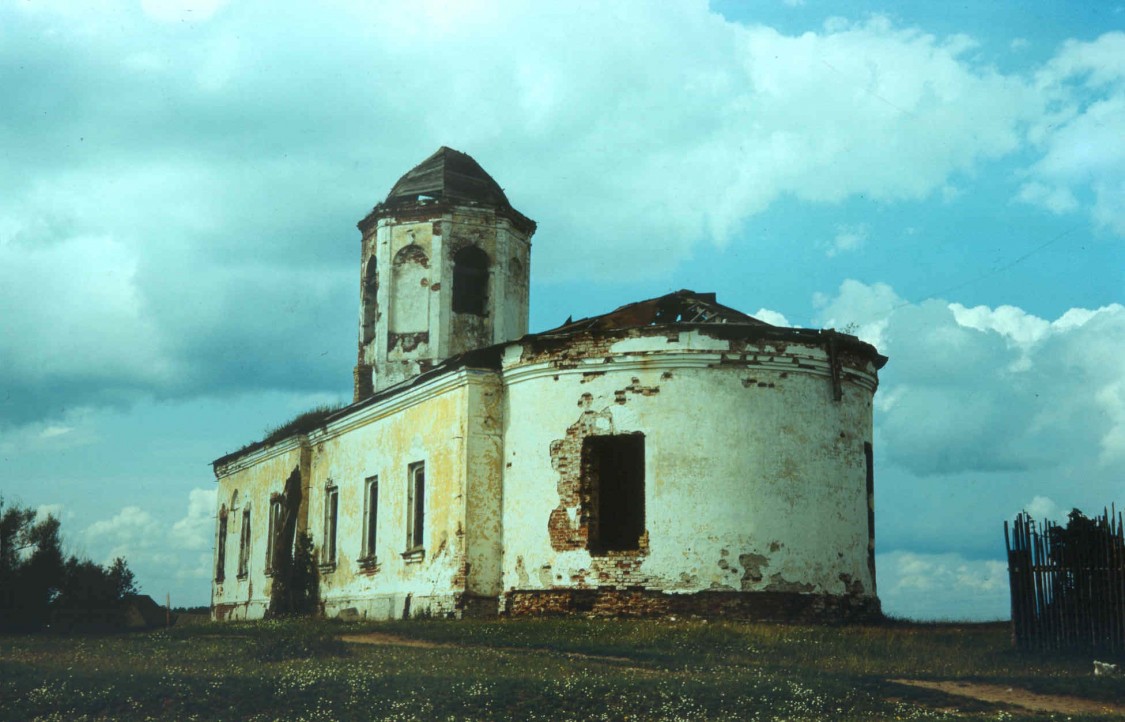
(449, 175)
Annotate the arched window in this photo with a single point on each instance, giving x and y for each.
(370, 299)
(470, 281)
(221, 550)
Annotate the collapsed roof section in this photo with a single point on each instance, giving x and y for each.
(683, 306)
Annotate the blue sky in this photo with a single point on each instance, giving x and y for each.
(179, 260)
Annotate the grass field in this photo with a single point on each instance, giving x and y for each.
(570, 669)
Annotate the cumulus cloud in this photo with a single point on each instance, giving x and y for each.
(162, 555)
(195, 530)
(991, 389)
(1082, 135)
(943, 586)
(180, 202)
(1041, 507)
(981, 412)
(130, 533)
(773, 317)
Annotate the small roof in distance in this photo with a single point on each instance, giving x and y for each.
(449, 175)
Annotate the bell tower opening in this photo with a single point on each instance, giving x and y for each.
(470, 281)
(370, 310)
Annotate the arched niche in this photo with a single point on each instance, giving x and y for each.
(410, 298)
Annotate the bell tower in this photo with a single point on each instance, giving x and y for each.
(444, 269)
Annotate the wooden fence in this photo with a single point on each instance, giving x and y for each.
(1068, 583)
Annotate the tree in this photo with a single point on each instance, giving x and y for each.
(31, 567)
(36, 584)
(296, 582)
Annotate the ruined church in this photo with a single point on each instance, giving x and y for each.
(671, 456)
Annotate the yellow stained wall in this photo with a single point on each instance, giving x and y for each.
(244, 483)
(445, 429)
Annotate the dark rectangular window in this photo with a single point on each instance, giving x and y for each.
(331, 511)
(244, 545)
(221, 552)
(273, 532)
(869, 459)
(613, 481)
(416, 506)
(371, 519)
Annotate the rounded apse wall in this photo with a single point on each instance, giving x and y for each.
(754, 476)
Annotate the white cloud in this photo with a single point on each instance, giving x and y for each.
(848, 238)
(992, 389)
(131, 533)
(863, 309)
(1082, 137)
(942, 586)
(1057, 200)
(160, 234)
(162, 555)
(195, 530)
(1041, 507)
(772, 317)
(45, 510)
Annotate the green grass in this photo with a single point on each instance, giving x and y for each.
(550, 669)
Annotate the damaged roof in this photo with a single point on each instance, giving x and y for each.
(449, 175)
(683, 306)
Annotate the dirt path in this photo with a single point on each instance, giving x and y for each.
(393, 640)
(1016, 697)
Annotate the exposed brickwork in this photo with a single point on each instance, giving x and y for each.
(756, 606)
(569, 525)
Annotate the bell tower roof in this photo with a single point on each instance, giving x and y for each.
(448, 175)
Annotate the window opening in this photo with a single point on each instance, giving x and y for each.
(272, 538)
(416, 506)
(370, 299)
(331, 509)
(470, 281)
(221, 552)
(244, 544)
(613, 477)
(371, 518)
(869, 459)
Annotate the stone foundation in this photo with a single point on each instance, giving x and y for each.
(754, 606)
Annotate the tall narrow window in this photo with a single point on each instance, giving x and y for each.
(470, 281)
(613, 476)
(416, 507)
(370, 298)
(331, 510)
(244, 545)
(371, 518)
(274, 533)
(221, 547)
(869, 458)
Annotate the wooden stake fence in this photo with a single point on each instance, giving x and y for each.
(1068, 583)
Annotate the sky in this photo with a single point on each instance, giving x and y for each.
(179, 265)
